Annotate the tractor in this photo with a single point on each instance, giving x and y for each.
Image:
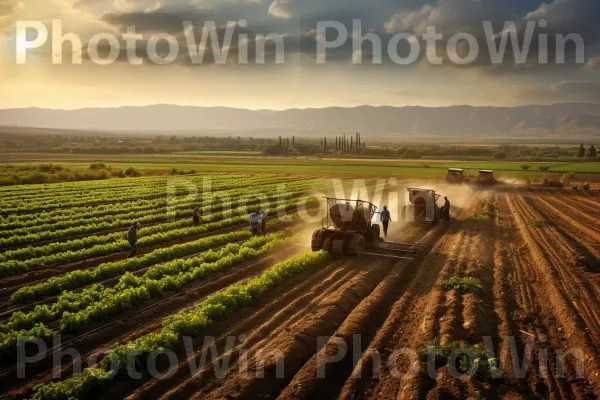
(456, 175)
(422, 206)
(486, 177)
(346, 229)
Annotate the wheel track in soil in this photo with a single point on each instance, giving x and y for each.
(563, 259)
(518, 297)
(314, 312)
(583, 237)
(592, 208)
(557, 286)
(133, 324)
(575, 215)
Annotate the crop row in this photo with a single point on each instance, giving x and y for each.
(79, 278)
(189, 322)
(77, 310)
(154, 217)
(221, 220)
(87, 212)
(46, 188)
(123, 195)
(160, 210)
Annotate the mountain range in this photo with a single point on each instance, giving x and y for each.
(560, 121)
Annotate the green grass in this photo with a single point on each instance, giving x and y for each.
(462, 285)
(249, 162)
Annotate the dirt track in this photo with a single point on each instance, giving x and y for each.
(541, 294)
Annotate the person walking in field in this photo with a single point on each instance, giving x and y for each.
(385, 220)
(197, 216)
(254, 222)
(132, 238)
(446, 209)
(263, 222)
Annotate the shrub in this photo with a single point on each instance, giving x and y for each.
(500, 156)
(132, 172)
(544, 168)
(98, 165)
(525, 167)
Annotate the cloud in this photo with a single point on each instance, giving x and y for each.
(593, 65)
(449, 17)
(281, 8)
(8, 8)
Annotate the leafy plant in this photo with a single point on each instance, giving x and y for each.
(483, 366)
(462, 285)
(483, 215)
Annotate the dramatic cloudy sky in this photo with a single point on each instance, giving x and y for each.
(300, 81)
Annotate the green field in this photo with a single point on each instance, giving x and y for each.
(314, 166)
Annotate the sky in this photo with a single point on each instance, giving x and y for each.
(351, 74)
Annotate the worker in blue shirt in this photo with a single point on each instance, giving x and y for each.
(254, 221)
(263, 222)
(385, 220)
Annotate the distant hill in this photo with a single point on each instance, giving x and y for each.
(555, 121)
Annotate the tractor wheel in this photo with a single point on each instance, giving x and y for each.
(337, 248)
(356, 244)
(317, 241)
(375, 232)
(327, 243)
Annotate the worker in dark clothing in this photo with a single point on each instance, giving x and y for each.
(446, 209)
(197, 216)
(254, 222)
(132, 238)
(263, 222)
(385, 220)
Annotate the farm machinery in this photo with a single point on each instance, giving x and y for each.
(456, 176)
(346, 229)
(486, 177)
(423, 206)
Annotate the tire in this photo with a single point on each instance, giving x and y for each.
(337, 248)
(375, 232)
(356, 244)
(327, 243)
(317, 240)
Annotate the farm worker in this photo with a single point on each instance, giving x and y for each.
(446, 209)
(132, 238)
(254, 221)
(263, 221)
(385, 219)
(197, 216)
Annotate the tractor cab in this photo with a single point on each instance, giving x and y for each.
(456, 175)
(486, 177)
